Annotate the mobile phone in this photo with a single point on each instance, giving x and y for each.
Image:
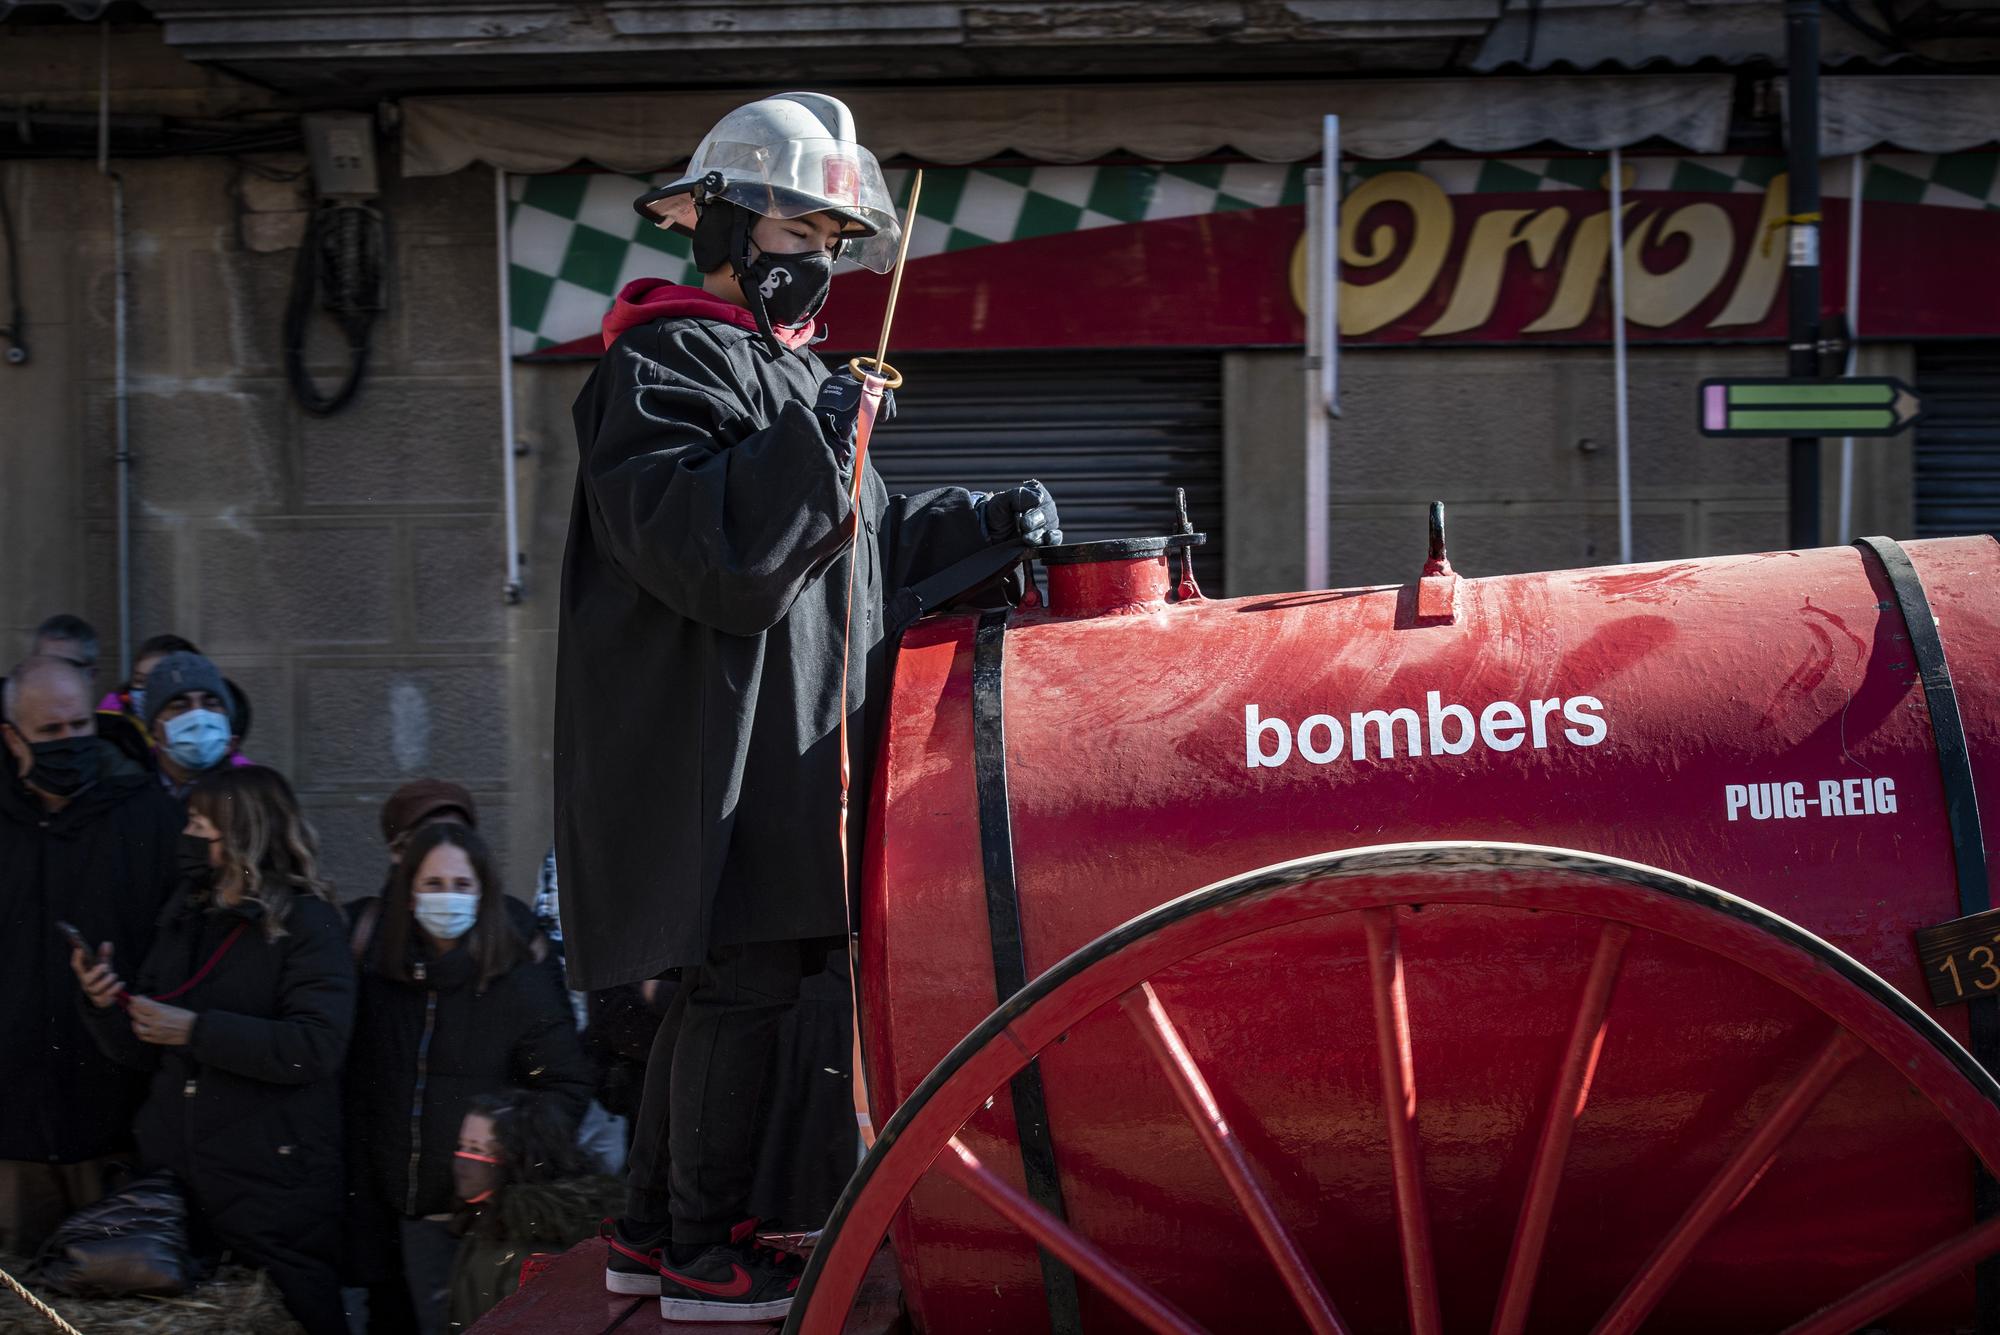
(75, 938)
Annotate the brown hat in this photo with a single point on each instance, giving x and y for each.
(419, 799)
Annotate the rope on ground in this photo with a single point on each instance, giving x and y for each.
(49, 1313)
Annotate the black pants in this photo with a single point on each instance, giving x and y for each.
(310, 1287)
(413, 1300)
(300, 1261)
(694, 1152)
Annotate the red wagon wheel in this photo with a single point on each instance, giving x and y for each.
(1861, 1021)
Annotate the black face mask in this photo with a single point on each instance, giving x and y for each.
(64, 767)
(196, 874)
(793, 287)
(475, 1177)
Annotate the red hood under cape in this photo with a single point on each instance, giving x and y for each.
(645, 300)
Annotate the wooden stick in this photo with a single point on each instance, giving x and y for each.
(896, 275)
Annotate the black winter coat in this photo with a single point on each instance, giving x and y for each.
(247, 1115)
(698, 682)
(424, 1049)
(106, 864)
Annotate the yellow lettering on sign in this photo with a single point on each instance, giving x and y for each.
(1366, 307)
(1763, 266)
(1298, 274)
(1582, 274)
(1660, 299)
(1485, 262)
(1412, 265)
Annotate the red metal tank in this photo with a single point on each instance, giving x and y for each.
(1754, 722)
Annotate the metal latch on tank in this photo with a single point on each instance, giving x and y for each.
(1437, 589)
(1123, 575)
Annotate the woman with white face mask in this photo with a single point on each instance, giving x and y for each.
(452, 1006)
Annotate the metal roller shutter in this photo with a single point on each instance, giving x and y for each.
(1958, 442)
(1110, 434)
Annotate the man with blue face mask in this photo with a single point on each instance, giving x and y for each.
(189, 712)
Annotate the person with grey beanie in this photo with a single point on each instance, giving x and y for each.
(190, 713)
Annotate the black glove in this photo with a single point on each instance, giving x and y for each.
(1026, 513)
(839, 412)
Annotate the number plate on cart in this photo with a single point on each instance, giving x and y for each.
(1961, 958)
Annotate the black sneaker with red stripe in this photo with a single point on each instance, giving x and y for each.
(738, 1280)
(632, 1256)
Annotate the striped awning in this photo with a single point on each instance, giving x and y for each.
(1275, 121)
(1930, 113)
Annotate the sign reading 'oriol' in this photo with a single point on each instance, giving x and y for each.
(1862, 406)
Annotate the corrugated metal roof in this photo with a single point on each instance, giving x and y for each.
(431, 45)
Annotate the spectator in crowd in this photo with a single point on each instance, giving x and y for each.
(129, 699)
(621, 1024)
(121, 714)
(86, 837)
(453, 1005)
(606, 1132)
(242, 1011)
(422, 802)
(70, 637)
(74, 640)
(526, 1189)
(190, 714)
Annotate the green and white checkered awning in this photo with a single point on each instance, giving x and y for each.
(574, 239)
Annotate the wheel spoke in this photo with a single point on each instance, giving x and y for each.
(1903, 1283)
(1399, 1106)
(1565, 1109)
(1163, 1040)
(1729, 1185)
(962, 1166)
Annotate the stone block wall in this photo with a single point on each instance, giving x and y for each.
(347, 571)
(1521, 445)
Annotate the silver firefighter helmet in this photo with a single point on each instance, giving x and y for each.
(784, 157)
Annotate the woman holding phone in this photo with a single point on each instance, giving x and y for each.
(242, 1011)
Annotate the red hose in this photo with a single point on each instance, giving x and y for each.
(864, 428)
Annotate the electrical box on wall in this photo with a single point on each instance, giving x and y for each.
(341, 148)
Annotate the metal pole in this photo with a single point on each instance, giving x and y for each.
(1322, 350)
(1329, 264)
(1618, 357)
(121, 391)
(1854, 183)
(1802, 271)
(511, 590)
(1315, 554)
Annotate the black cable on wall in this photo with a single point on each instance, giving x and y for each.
(343, 261)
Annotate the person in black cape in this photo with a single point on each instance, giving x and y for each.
(699, 687)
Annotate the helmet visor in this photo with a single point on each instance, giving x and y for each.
(795, 177)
